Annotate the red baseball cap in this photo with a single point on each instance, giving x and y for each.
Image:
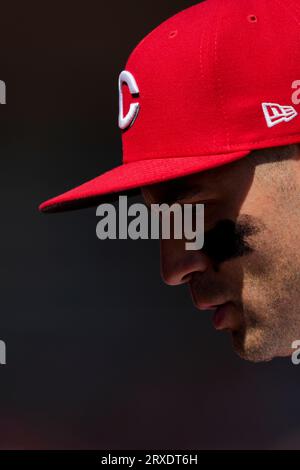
(205, 88)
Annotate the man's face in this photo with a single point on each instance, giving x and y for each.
(250, 258)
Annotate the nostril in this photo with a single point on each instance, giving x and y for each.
(174, 278)
(186, 278)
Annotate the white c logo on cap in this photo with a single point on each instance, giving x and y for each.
(128, 120)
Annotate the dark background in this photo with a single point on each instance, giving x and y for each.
(101, 354)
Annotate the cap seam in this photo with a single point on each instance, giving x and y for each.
(218, 78)
(204, 37)
(194, 155)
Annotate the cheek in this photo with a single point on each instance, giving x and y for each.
(259, 263)
(267, 272)
(231, 239)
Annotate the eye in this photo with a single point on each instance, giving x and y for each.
(197, 199)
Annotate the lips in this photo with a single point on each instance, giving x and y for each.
(225, 315)
(205, 305)
(221, 317)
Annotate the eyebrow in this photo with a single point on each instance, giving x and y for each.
(177, 193)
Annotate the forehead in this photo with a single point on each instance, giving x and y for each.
(206, 183)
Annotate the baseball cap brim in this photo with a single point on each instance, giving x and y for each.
(131, 176)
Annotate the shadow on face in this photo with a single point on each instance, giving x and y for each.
(216, 273)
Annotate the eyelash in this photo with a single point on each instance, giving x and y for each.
(206, 202)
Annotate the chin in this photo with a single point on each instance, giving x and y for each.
(253, 356)
(251, 348)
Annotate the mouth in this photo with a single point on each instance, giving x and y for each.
(224, 315)
(221, 317)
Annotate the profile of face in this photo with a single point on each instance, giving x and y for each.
(248, 271)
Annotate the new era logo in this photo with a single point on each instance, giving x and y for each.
(275, 113)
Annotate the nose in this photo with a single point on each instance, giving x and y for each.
(177, 264)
